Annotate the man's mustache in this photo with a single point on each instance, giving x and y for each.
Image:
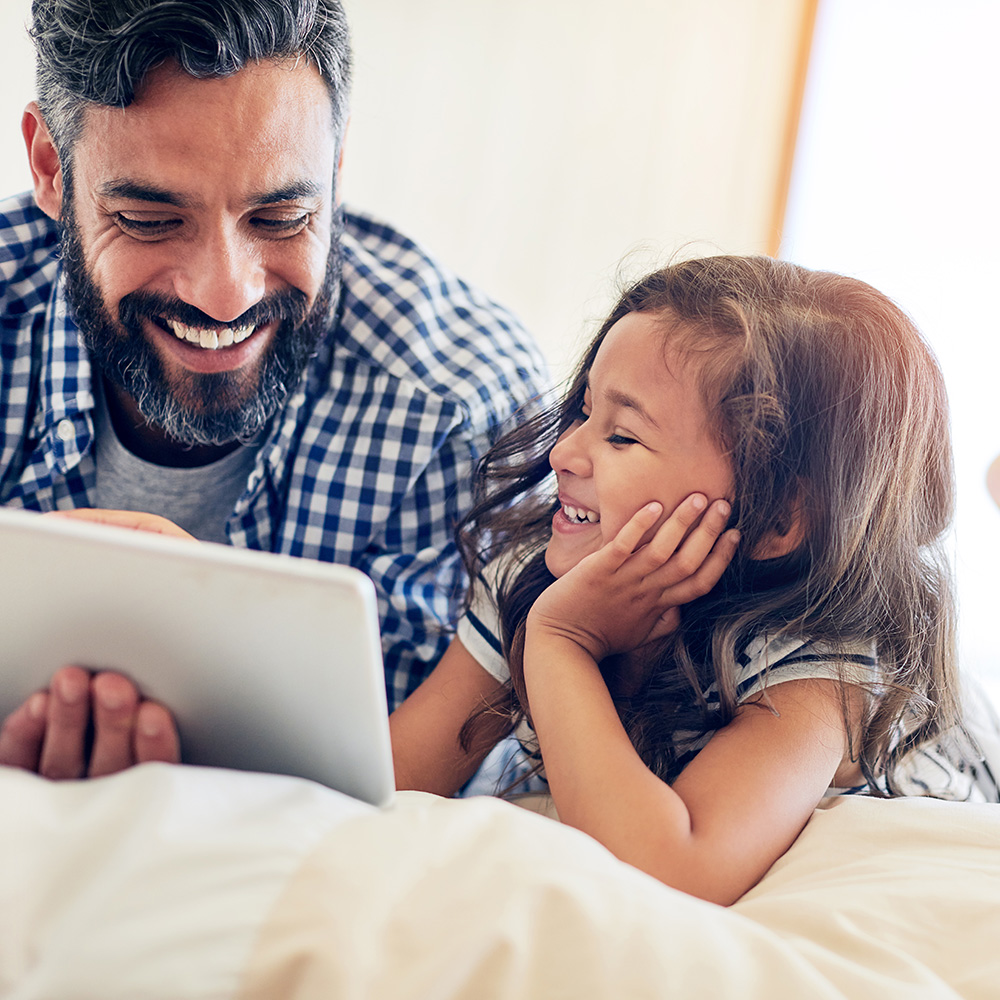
(288, 304)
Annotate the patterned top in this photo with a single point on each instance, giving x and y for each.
(933, 770)
(368, 464)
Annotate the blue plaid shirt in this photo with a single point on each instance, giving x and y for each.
(370, 462)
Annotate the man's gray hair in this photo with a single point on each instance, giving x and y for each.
(99, 51)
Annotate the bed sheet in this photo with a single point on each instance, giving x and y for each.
(194, 883)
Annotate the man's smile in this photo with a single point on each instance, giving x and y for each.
(208, 348)
(210, 339)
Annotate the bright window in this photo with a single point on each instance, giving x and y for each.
(896, 182)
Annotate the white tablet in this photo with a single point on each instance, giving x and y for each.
(268, 662)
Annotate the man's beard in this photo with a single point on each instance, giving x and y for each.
(197, 408)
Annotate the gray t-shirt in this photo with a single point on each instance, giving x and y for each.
(199, 500)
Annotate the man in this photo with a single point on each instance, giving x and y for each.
(191, 325)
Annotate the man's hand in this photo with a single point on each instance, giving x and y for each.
(51, 732)
(132, 519)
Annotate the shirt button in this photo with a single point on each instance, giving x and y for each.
(66, 430)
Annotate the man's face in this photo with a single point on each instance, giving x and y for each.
(201, 244)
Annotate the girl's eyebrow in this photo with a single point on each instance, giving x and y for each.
(622, 399)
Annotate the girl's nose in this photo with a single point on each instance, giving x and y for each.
(570, 453)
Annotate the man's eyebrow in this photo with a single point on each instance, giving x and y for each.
(134, 191)
(137, 191)
(298, 189)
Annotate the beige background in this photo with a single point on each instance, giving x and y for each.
(535, 144)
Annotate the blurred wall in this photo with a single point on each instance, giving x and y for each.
(534, 144)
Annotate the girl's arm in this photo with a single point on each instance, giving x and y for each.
(740, 804)
(425, 747)
(735, 809)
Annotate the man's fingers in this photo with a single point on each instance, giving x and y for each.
(64, 747)
(22, 733)
(131, 519)
(48, 734)
(115, 705)
(156, 735)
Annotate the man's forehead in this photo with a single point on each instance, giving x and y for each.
(264, 130)
(255, 97)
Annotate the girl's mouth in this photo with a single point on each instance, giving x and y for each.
(580, 515)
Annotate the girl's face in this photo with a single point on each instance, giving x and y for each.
(644, 435)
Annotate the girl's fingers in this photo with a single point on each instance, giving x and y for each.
(683, 541)
(693, 549)
(669, 534)
(708, 573)
(631, 532)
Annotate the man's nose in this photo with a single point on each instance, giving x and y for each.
(222, 276)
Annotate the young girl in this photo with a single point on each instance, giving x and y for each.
(708, 585)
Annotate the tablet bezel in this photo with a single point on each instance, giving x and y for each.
(289, 679)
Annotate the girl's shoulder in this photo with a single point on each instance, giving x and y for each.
(479, 627)
(501, 571)
(767, 660)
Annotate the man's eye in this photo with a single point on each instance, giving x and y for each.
(146, 227)
(281, 227)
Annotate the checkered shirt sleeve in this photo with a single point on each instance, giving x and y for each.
(370, 462)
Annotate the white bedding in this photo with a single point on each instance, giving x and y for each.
(193, 884)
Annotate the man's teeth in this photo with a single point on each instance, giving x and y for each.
(581, 514)
(223, 336)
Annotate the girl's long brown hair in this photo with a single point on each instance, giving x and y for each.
(831, 406)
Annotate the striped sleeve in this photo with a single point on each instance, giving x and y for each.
(767, 663)
(479, 628)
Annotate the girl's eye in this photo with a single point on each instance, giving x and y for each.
(146, 228)
(281, 227)
(620, 439)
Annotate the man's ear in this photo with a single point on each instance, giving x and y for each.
(46, 169)
(337, 197)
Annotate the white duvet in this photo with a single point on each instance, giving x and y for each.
(191, 884)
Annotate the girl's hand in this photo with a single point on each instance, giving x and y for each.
(627, 593)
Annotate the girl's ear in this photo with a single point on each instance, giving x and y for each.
(788, 534)
(46, 170)
(993, 480)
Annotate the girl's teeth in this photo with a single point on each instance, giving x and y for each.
(581, 514)
(210, 340)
